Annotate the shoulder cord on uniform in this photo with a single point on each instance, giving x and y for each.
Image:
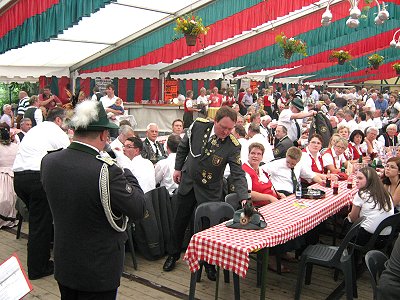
(105, 201)
(189, 134)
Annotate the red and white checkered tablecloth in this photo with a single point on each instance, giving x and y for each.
(229, 248)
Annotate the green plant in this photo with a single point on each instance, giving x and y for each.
(190, 25)
(340, 55)
(291, 45)
(375, 60)
(396, 67)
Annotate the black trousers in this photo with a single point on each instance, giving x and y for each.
(29, 188)
(185, 205)
(70, 294)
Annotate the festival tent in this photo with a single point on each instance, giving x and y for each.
(125, 41)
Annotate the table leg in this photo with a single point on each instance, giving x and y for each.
(236, 286)
(265, 253)
(193, 280)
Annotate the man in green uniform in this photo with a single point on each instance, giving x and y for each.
(200, 162)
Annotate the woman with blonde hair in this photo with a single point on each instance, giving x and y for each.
(333, 157)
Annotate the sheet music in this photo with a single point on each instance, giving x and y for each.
(13, 283)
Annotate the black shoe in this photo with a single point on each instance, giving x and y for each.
(49, 271)
(169, 264)
(211, 272)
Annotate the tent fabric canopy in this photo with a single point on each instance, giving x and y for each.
(122, 38)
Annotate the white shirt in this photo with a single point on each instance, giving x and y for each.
(362, 125)
(116, 144)
(371, 104)
(6, 119)
(352, 125)
(268, 153)
(285, 120)
(261, 177)
(315, 95)
(164, 170)
(333, 159)
(44, 137)
(141, 168)
(107, 101)
(374, 216)
(244, 151)
(16, 138)
(306, 159)
(378, 123)
(202, 100)
(281, 175)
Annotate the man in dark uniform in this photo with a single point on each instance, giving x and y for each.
(200, 162)
(282, 142)
(91, 199)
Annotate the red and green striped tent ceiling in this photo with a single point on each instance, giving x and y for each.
(261, 51)
(30, 21)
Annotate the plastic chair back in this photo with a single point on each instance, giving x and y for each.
(233, 200)
(351, 234)
(392, 221)
(214, 211)
(375, 261)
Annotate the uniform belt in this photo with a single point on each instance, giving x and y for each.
(26, 172)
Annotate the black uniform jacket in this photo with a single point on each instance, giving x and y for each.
(88, 252)
(203, 162)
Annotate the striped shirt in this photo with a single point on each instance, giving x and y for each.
(23, 105)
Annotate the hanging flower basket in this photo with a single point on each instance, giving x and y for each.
(375, 66)
(396, 67)
(190, 39)
(341, 55)
(287, 54)
(291, 45)
(191, 26)
(375, 60)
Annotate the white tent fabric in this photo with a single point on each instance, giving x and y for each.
(91, 35)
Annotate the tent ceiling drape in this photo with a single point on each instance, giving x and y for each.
(109, 38)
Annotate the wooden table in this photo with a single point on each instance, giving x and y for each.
(229, 248)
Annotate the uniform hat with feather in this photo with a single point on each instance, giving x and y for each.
(91, 116)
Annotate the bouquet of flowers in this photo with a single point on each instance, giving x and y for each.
(191, 26)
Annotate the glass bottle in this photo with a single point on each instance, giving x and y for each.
(328, 179)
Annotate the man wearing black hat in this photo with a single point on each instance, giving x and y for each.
(91, 200)
(288, 118)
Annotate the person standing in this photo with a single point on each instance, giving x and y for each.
(46, 136)
(189, 108)
(164, 169)
(23, 104)
(48, 100)
(200, 162)
(91, 199)
(33, 112)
